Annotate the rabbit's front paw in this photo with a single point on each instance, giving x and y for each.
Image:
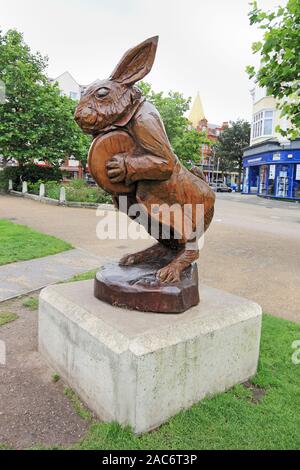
(116, 169)
(168, 274)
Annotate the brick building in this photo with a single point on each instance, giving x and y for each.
(212, 131)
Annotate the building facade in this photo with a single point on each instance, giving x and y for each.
(68, 86)
(271, 164)
(71, 168)
(208, 161)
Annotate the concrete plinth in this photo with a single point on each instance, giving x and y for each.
(141, 368)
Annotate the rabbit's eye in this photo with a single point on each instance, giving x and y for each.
(102, 92)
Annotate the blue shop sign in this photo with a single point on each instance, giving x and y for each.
(273, 175)
(286, 156)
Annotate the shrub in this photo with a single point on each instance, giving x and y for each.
(76, 191)
(79, 191)
(30, 173)
(3, 182)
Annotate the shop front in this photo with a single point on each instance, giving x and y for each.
(271, 171)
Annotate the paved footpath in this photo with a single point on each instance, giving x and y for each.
(26, 276)
(252, 248)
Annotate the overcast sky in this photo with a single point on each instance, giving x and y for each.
(203, 44)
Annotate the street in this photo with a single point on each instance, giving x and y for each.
(251, 249)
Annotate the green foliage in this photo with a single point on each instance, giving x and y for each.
(5, 447)
(51, 188)
(78, 406)
(185, 142)
(19, 243)
(30, 173)
(231, 144)
(188, 146)
(55, 377)
(32, 303)
(171, 108)
(7, 317)
(36, 122)
(76, 191)
(83, 276)
(3, 182)
(279, 51)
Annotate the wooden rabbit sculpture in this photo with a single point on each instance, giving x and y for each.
(145, 167)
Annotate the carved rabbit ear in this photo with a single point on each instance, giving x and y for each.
(136, 62)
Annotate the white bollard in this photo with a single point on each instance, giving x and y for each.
(10, 185)
(24, 187)
(62, 195)
(42, 190)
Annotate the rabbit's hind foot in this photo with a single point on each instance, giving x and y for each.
(170, 273)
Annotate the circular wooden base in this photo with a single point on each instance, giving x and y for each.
(136, 287)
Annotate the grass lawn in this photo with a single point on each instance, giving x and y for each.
(83, 276)
(19, 243)
(32, 303)
(7, 317)
(263, 414)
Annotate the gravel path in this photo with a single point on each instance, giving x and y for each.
(33, 409)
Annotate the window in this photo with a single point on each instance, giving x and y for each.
(268, 122)
(263, 179)
(271, 180)
(262, 123)
(296, 182)
(73, 95)
(282, 181)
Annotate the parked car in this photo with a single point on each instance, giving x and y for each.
(220, 188)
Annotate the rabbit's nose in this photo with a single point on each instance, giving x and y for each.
(86, 114)
(82, 113)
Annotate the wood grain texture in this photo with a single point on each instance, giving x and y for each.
(137, 287)
(131, 154)
(102, 149)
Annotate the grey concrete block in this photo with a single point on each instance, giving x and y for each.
(138, 368)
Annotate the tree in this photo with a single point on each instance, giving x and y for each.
(185, 142)
(171, 108)
(188, 146)
(36, 122)
(231, 144)
(279, 70)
